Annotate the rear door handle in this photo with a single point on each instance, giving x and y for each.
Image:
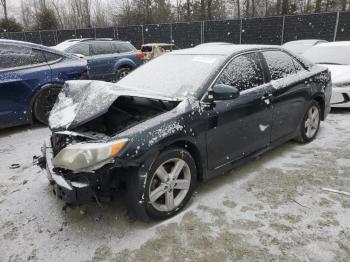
(266, 96)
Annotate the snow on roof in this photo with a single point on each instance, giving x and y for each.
(225, 50)
(304, 41)
(340, 43)
(31, 45)
(158, 44)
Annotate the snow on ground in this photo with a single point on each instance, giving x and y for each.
(272, 208)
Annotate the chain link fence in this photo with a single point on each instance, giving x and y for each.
(334, 26)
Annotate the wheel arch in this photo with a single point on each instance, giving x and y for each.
(319, 98)
(124, 63)
(37, 92)
(194, 151)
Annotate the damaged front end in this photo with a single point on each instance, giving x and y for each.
(87, 155)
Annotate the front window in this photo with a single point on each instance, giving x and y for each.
(243, 72)
(324, 54)
(81, 49)
(12, 56)
(173, 75)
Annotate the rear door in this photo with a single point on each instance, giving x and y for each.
(290, 92)
(101, 61)
(240, 126)
(22, 71)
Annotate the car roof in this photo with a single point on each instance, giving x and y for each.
(225, 50)
(340, 43)
(31, 45)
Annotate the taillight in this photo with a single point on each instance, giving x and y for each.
(84, 72)
(140, 55)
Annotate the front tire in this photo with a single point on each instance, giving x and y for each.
(310, 124)
(44, 102)
(170, 183)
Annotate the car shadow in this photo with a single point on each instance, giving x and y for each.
(114, 213)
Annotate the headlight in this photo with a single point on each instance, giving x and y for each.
(88, 156)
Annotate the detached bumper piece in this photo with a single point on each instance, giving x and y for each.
(73, 192)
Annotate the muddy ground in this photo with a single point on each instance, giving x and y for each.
(272, 208)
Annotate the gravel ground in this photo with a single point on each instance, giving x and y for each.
(272, 208)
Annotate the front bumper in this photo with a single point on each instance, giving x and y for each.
(340, 97)
(71, 192)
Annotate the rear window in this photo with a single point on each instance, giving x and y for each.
(12, 56)
(50, 57)
(280, 64)
(146, 49)
(101, 48)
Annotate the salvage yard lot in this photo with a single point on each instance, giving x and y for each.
(270, 208)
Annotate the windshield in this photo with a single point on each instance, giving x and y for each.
(338, 55)
(173, 75)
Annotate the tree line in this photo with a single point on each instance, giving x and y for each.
(66, 14)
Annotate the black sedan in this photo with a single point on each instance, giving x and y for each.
(184, 117)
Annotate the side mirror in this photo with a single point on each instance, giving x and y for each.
(223, 92)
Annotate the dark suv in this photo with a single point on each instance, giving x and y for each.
(107, 59)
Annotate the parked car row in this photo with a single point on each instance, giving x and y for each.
(333, 55)
(186, 116)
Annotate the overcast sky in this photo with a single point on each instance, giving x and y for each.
(13, 8)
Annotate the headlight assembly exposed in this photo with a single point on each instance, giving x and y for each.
(88, 156)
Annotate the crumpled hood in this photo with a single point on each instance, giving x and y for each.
(340, 73)
(82, 101)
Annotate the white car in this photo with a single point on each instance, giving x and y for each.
(335, 56)
(300, 46)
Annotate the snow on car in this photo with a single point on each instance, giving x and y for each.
(300, 46)
(186, 116)
(335, 56)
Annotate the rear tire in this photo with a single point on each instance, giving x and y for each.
(122, 72)
(310, 124)
(44, 102)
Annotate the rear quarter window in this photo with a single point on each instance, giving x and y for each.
(51, 57)
(123, 47)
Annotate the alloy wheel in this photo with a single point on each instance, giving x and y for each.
(312, 122)
(169, 185)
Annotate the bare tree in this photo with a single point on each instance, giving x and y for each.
(4, 6)
(238, 9)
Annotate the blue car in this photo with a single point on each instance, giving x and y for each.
(31, 76)
(108, 59)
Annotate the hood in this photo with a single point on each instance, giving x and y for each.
(340, 73)
(82, 101)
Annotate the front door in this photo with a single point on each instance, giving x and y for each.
(240, 126)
